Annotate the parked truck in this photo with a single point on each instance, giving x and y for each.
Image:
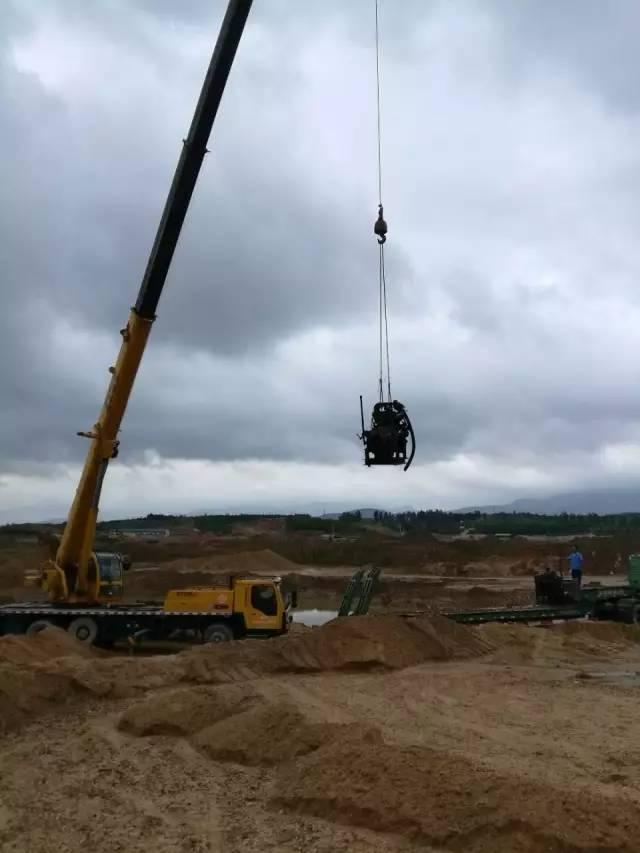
(247, 607)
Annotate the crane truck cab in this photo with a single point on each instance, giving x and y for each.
(104, 580)
(249, 606)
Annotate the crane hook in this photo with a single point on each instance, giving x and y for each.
(380, 227)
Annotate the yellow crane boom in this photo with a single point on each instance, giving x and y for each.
(77, 574)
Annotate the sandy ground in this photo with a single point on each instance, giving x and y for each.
(370, 734)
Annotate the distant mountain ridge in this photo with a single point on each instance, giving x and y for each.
(598, 501)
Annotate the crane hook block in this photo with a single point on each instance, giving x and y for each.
(385, 443)
(380, 227)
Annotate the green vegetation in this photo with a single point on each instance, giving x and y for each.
(346, 523)
(514, 524)
(224, 524)
(426, 521)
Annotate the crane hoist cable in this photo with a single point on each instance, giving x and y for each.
(385, 442)
(380, 230)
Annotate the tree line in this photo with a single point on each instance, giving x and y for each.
(512, 523)
(423, 521)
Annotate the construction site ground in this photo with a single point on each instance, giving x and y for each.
(370, 733)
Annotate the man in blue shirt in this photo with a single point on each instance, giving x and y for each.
(575, 564)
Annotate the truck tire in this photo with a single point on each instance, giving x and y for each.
(218, 632)
(84, 629)
(635, 614)
(38, 625)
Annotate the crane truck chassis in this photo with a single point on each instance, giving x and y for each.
(248, 607)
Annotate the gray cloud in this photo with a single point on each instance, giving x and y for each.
(594, 41)
(511, 185)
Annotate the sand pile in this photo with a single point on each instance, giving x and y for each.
(358, 642)
(482, 596)
(268, 734)
(570, 641)
(612, 634)
(203, 571)
(26, 693)
(30, 689)
(501, 567)
(449, 802)
(235, 723)
(73, 671)
(263, 561)
(187, 710)
(48, 644)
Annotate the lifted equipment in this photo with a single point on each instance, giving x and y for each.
(385, 443)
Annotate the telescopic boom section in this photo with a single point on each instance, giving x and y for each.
(67, 578)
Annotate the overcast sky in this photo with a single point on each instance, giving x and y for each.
(511, 157)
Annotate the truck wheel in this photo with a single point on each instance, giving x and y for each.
(218, 633)
(38, 625)
(635, 614)
(84, 629)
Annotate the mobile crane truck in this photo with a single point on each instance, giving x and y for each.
(85, 588)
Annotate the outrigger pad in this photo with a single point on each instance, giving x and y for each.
(385, 443)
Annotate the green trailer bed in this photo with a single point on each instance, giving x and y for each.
(517, 614)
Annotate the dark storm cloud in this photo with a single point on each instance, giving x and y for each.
(278, 240)
(83, 190)
(261, 252)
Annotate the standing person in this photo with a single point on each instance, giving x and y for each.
(576, 561)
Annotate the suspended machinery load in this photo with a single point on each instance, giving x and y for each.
(390, 439)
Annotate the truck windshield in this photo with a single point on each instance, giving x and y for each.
(263, 598)
(110, 568)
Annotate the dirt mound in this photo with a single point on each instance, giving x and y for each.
(48, 644)
(387, 641)
(26, 693)
(609, 633)
(185, 711)
(29, 689)
(203, 571)
(500, 567)
(73, 671)
(449, 802)
(263, 561)
(270, 733)
(522, 644)
(235, 723)
(357, 642)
